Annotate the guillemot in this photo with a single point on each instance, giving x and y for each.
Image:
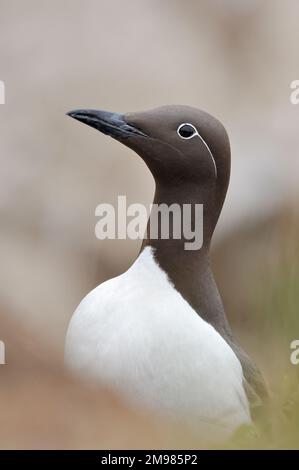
(158, 333)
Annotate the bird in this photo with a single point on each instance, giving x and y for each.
(158, 333)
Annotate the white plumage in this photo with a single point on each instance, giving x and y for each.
(137, 334)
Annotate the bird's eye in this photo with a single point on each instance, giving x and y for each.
(186, 131)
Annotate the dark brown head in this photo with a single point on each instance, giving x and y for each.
(187, 151)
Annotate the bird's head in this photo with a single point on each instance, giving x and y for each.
(182, 146)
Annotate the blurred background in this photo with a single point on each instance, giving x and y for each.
(235, 60)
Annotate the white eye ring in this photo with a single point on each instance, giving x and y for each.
(196, 133)
(190, 125)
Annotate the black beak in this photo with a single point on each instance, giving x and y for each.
(112, 124)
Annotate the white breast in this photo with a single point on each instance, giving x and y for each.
(136, 333)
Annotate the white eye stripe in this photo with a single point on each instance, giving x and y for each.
(196, 133)
(210, 152)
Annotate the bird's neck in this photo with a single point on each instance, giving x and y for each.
(189, 270)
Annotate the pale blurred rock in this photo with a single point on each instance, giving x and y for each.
(41, 407)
